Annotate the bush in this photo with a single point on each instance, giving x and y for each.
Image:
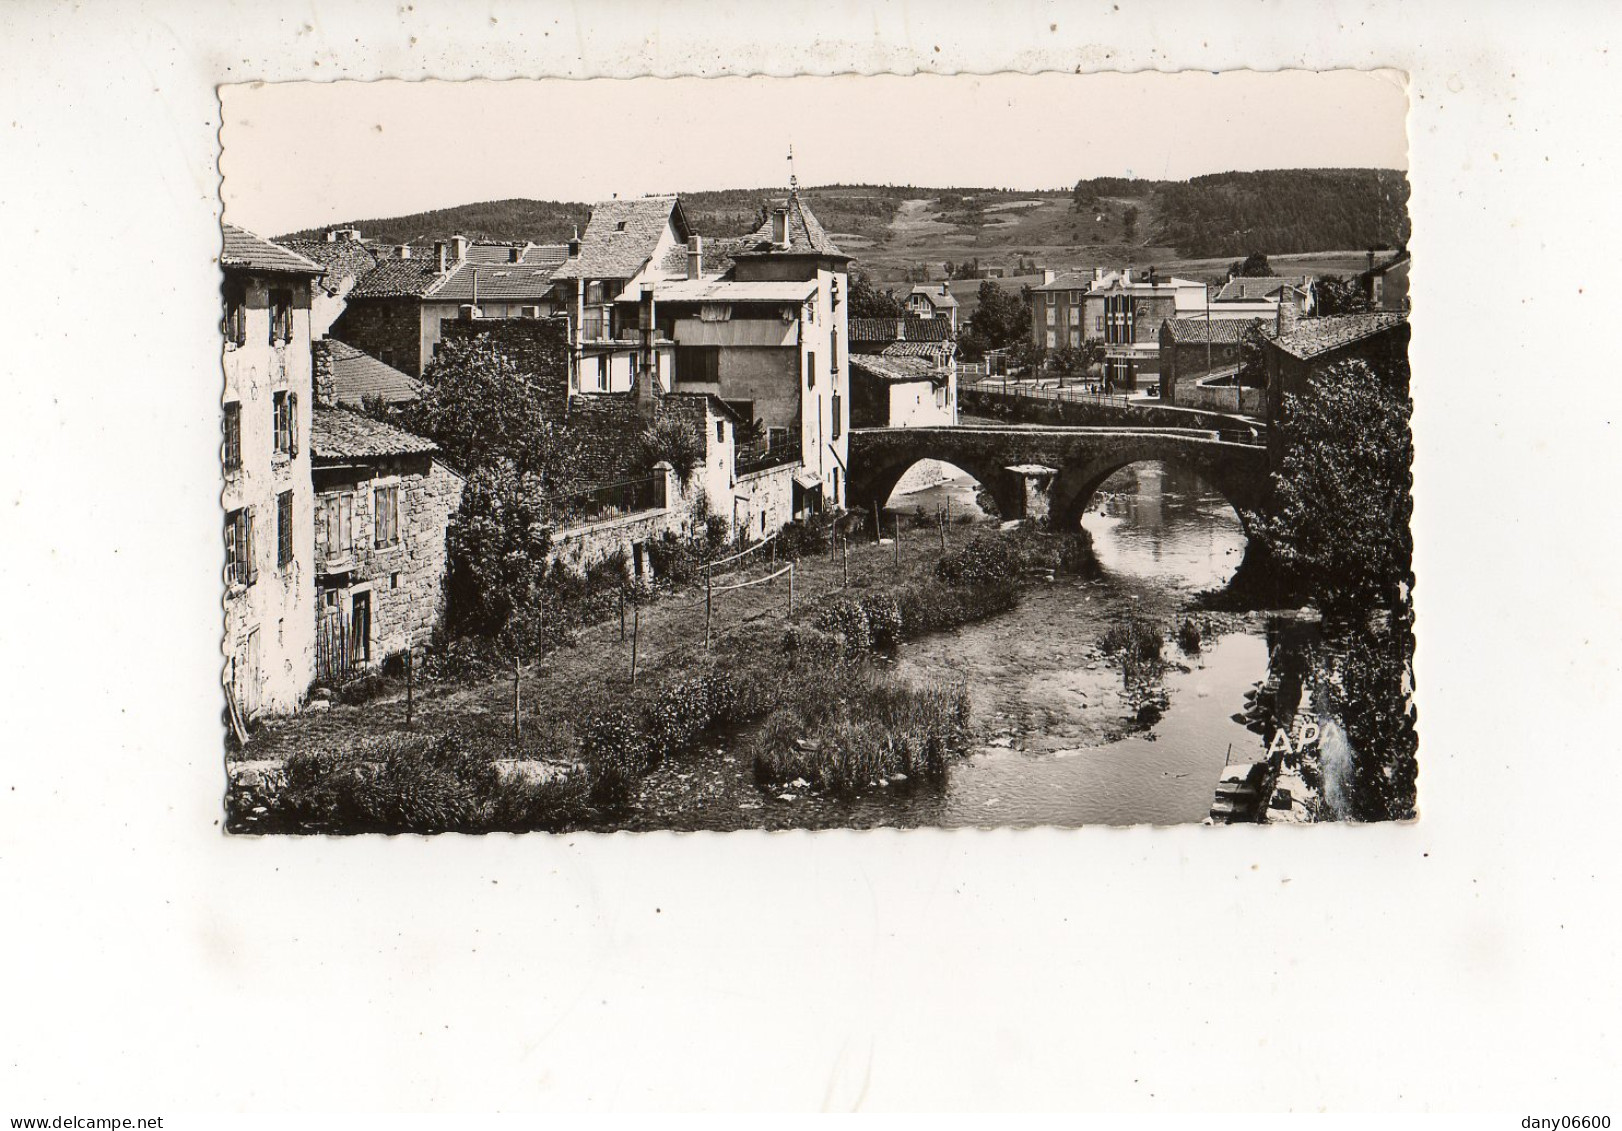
(675, 442)
(717, 531)
(984, 560)
(844, 618)
(882, 730)
(797, 539)
(882, 612)
(616, 754)
(362, 688)
(1118, 637)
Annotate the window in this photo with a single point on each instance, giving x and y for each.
(602, 372)
(810, 371)
(284, 528)
(1075, 337)
(1053, 339)
(239, 547)
(236, 313)
(1053, 316)
(386, 503)
(334, 518)
(233, 436)
(776, 438)
(1053, 297)
(837, 416)
(284, 414)
(620, 227)
(698, 363)
(720, 430)
(281, 316)
(1075, 298)
(833, 351)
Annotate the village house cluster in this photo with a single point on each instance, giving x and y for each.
(1184, 338)
(336, 522)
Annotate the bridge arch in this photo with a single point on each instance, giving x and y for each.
(873, 481)
(1076, 485)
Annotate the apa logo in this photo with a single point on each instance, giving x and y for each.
(1307, 736)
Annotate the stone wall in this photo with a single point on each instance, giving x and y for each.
(1182, 363)
(388, 329)
(406, 580)
(1220, 398)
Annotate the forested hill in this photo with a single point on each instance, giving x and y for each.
(1283, 210)
(1274, 212)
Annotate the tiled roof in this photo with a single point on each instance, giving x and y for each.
(357, 375)
(938, 352)
(244, 250)
(1247, 288)
(622, 235)
(338, 434)
(1084, 281)
(894, 369)
(1218, 331)
(398, 278)
(805, 234)
(1313, 337)
(500, 280)
(886, 329)
(341, 259)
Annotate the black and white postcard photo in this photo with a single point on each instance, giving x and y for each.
(755, 493)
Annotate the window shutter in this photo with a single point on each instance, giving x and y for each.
(292, 424)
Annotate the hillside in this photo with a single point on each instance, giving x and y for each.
(895, 230)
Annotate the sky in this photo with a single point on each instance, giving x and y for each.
(300, 155)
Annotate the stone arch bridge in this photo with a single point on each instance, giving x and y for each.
(1018, 464)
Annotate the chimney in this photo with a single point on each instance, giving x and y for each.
(1047, 275)
(440, 252)
(780, 225)
(1371, 259)
(321, 373)
(647, 391)
(460, 243)
(695, 256)
(343, 235)
(1098, 274)
(574, 243)
(1126, 276)
(403, 251)
(943, 289)
(515, 255)
(901, 328)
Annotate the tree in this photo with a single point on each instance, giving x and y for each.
(1129, 223)
(1342, 501)
(1336, 294)
(481, 408)
(1254, 266)
(1252, 356)
(867, 301)
(999, 320)
(495, 582)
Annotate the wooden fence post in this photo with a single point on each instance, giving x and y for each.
(708, 605)
(622, 614)
(790, 588)
(942, 517)
(845, 553)
(636, 626)
(898, 540)
(410, 665)
(878, 532)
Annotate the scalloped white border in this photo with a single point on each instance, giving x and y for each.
(1465, 961)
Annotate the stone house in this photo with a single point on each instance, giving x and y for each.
(395, 312)
(1385, 285)
(269, 576)
(769, 336)
(1313, 344)
(1192, 348)
(383, 503)
(345, 259)
(932, 302)
(603, 283)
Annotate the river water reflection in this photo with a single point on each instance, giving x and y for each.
(1059, 748)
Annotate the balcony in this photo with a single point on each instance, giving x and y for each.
(611, 500)
(751, 458)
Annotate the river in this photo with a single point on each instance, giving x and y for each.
(1057, 744)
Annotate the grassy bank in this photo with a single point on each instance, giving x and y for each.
(355, 768)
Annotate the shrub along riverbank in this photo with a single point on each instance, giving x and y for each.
(835, 718)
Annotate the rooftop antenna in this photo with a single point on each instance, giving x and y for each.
(793, 182)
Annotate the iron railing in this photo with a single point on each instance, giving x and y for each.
(758, 457)
(610, 500)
